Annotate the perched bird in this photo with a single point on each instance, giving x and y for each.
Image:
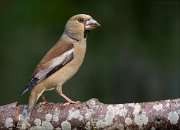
(63, 60)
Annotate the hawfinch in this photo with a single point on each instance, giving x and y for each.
(63, 60)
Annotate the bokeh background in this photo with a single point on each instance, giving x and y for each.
(133, 57)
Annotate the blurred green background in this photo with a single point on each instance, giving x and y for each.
(133, 57)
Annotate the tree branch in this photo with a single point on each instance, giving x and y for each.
(93, 115)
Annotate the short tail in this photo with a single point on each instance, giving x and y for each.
(30, 85)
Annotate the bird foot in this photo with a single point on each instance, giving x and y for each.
(44, 101)
(69, 102)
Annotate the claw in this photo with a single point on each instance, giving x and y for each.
(69, 102)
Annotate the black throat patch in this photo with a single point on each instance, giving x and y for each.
(86, 32)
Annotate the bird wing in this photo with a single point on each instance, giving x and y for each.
(59, 48)
(55, 59)
(53, 65)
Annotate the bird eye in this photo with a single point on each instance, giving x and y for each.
(81, 20)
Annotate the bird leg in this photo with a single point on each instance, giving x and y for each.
(44, 99)
(69, 101)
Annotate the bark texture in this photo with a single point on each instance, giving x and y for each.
(93, 115)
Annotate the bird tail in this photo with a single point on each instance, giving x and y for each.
(30, 85)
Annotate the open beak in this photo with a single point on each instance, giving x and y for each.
(91, 24)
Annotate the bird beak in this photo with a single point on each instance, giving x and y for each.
(91, 24)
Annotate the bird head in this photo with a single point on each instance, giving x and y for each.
(78, 25)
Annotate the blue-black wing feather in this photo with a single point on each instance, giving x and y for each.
(34, 81)
(30, 85)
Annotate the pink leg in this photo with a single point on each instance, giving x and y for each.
(44, 99)
(69, 101)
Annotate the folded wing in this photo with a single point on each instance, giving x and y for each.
(60, 55)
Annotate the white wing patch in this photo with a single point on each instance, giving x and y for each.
(60, 60)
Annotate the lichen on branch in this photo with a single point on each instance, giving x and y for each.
(93, 115)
